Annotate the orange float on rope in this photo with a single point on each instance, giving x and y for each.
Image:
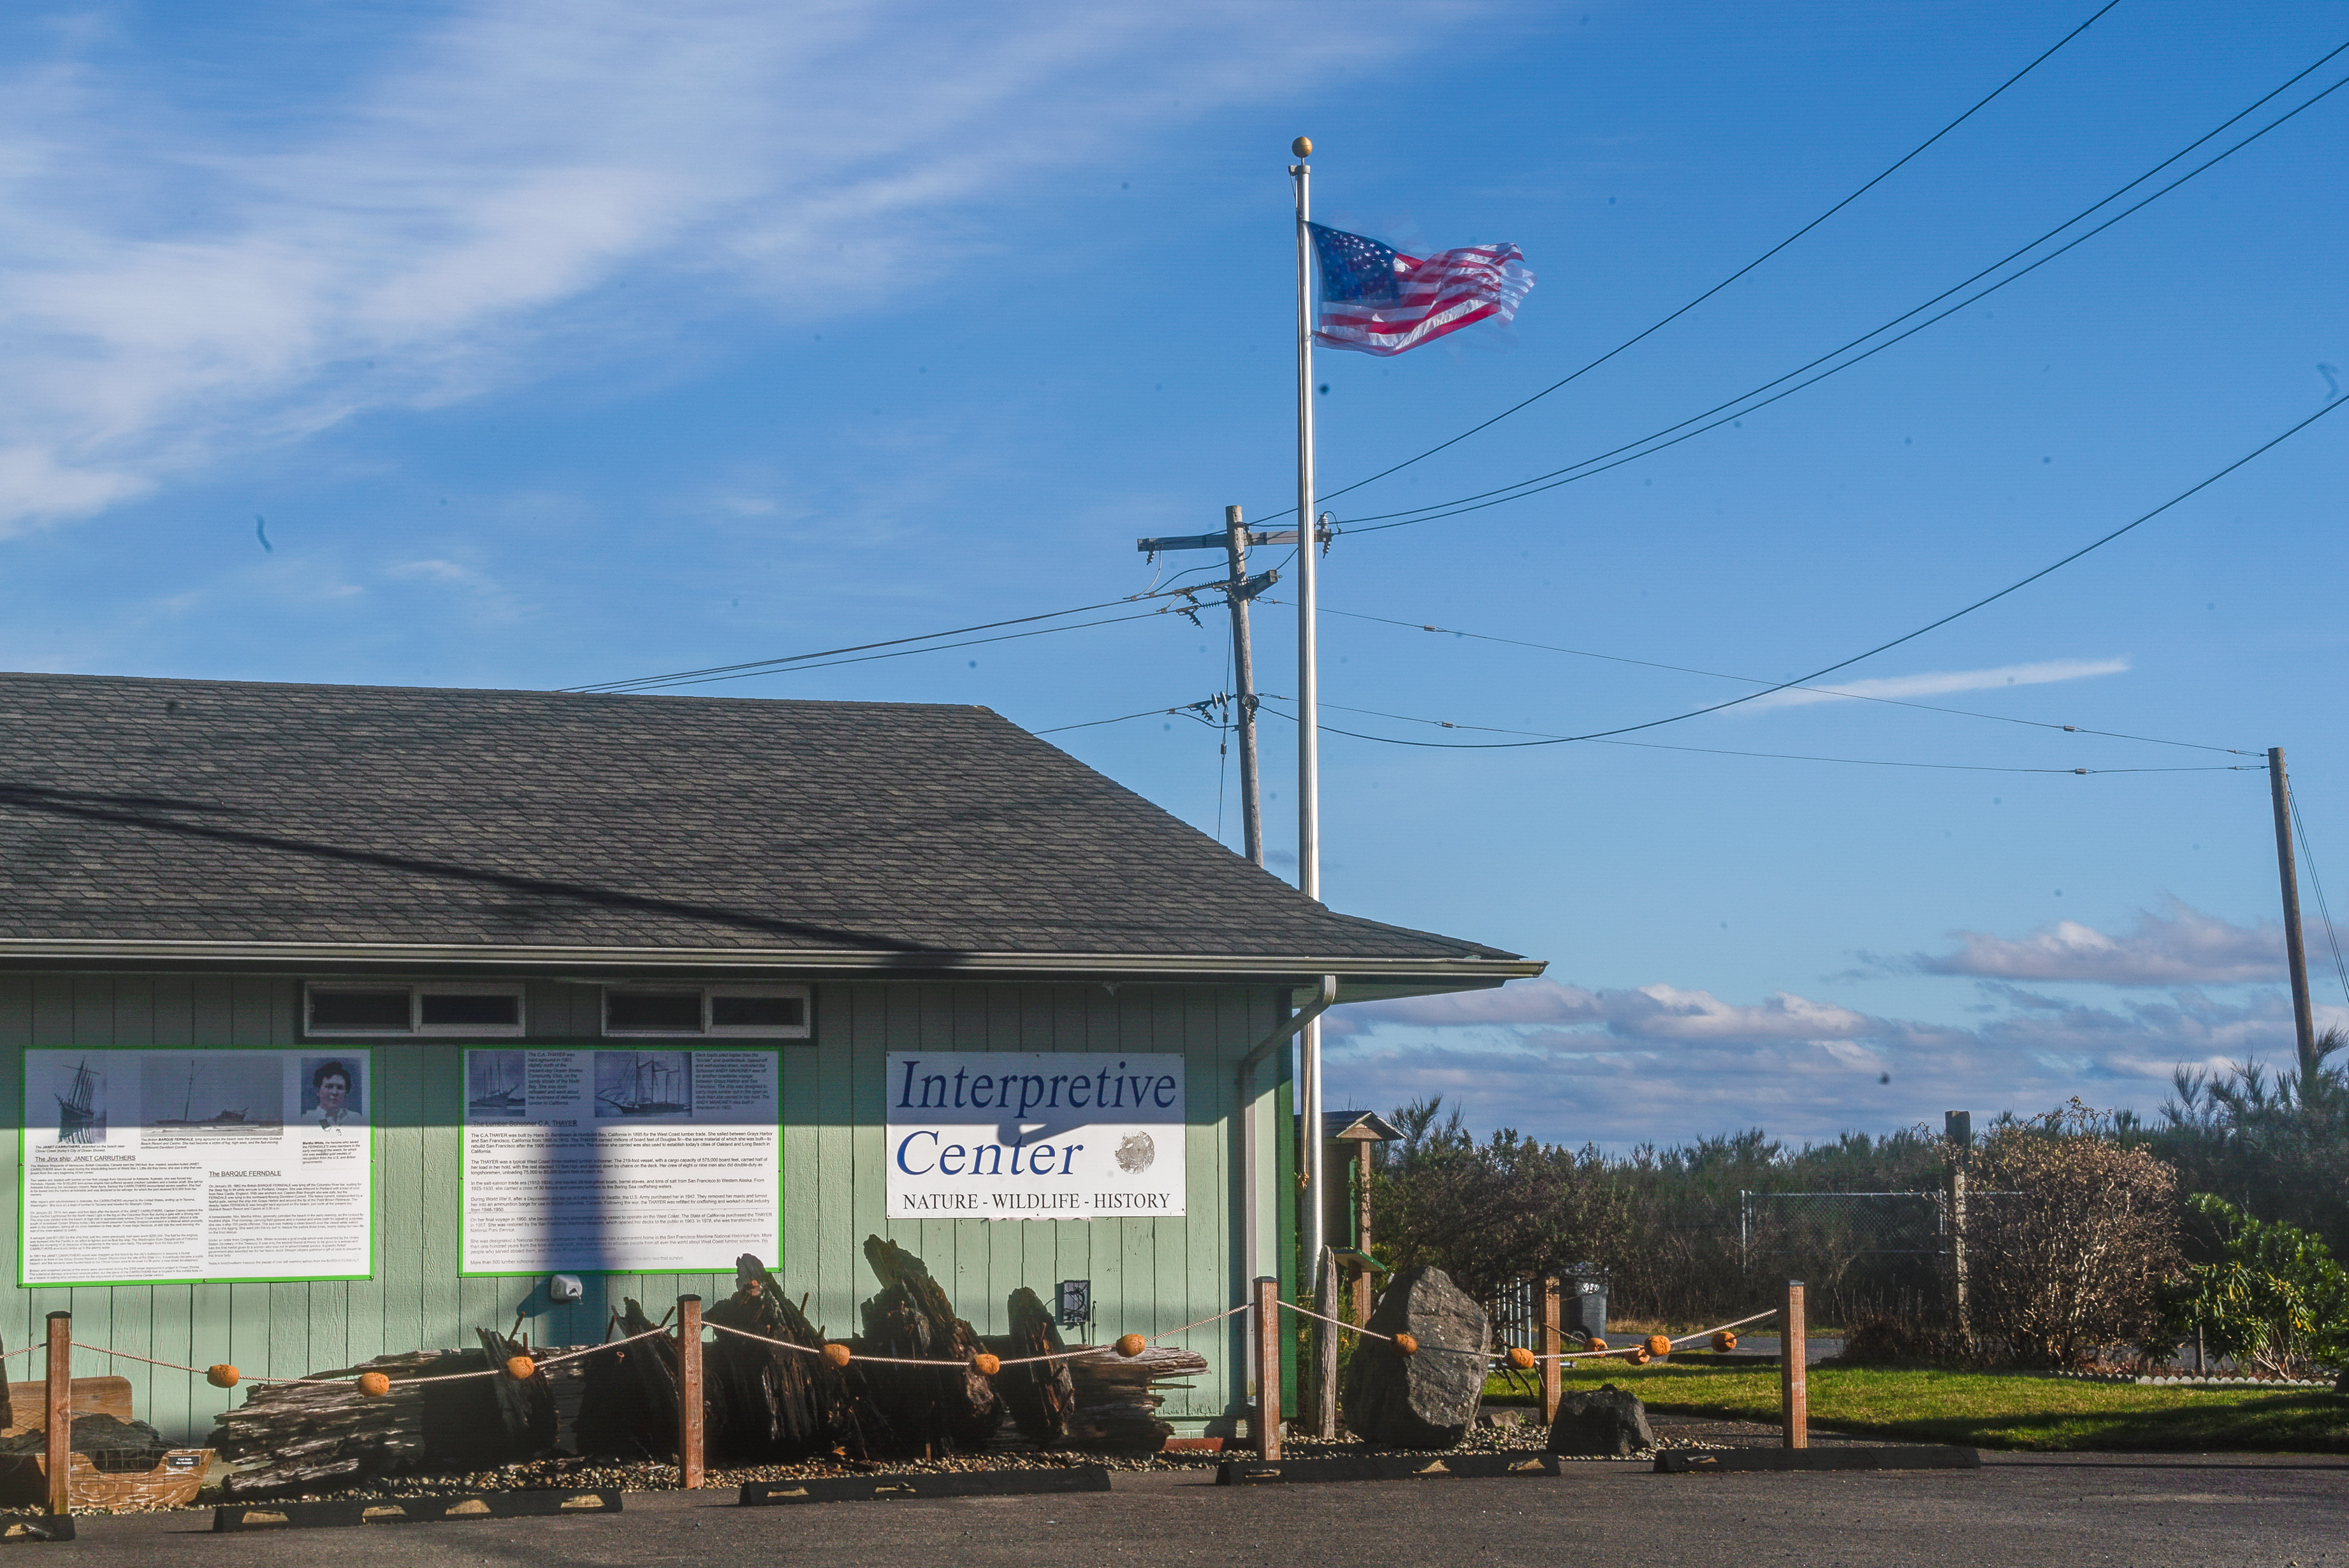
(1722, 1339)
(1520, 1357)
(1130, 1345)
(837, 1354)
(984, 1364)
(1638, 1356)
(1660, 1344)
(1596, 1343)
(373, 1385)
(220, 1375)
(1405, 1345)
(521, 1369)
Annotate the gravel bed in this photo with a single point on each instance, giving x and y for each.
(646, 1475)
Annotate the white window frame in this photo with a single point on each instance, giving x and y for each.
(804, 1029)
(416, 1026)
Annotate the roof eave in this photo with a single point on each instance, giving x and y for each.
(1361, 979)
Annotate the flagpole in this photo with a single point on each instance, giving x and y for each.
(1309, 761)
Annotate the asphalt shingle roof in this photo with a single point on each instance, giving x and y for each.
(209, 811)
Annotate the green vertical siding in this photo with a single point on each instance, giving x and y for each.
(1149, 1275)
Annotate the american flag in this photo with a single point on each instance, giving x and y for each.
(1376, 300)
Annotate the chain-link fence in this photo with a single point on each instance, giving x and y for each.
(1859, 1255)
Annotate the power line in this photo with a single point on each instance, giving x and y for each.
(1800, 681)
(1743, 404)
(1197, 710)
(761, 667)
(1722, 751)
(1888, 172)
(2308, 858)
(1756, 680)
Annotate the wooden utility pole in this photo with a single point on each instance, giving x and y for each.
(1235, 543)
(1794, 1370)
(1267, 1366)
(689, 1408)
(2296, 956)
(57, 1431)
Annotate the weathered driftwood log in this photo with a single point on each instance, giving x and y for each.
(1039, 1396)
(525, 1410)
(629, 1405)
(784, 1405)
(1427, 1399)
(941, 1408)
(296, 1436)
(1117, 1398)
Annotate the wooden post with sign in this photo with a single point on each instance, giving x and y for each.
(690, 1433)
(1794, 1370)
(1267, 1367)
(57, 1431)
(1553, 1346)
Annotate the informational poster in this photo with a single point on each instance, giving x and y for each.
(620, 1161)
(178, 1165)
(1006, 1135)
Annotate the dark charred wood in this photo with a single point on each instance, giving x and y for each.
(1039, 1395)
(938, 1409)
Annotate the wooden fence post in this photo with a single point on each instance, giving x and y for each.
(1553, 1344)
(58, 1432)
(1267, 1367)
(689, 1410)
(1794, 1370)
(1325, 1339)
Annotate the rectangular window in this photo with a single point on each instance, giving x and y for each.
(476, 1011)
(754, 1012)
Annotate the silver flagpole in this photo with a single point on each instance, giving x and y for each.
(1309, 761)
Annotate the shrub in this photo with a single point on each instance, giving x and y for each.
(2276, 1300)
(2070, 1258)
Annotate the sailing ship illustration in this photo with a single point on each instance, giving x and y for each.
(187, 1117)
(80, 1119)
(502, 1086)
(658, 1084)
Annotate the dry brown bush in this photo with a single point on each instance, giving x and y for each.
(2065, 1261)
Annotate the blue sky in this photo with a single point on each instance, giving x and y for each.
(528, 344)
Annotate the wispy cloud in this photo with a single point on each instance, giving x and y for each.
(449, 225)
(2181, 946)
(1944, 683)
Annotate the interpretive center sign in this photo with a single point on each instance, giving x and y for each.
(1059, 1135)
(186, 1165)
(624, 1161)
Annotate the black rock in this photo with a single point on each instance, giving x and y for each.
(1605, 1424)
(1426, 1400)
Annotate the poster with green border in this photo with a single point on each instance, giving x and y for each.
(187, 1165)
(647, 1158)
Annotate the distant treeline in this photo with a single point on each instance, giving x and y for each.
(1667, 1223)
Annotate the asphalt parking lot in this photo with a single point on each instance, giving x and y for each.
(2072, 1510)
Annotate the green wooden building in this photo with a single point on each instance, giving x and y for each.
(402, 923)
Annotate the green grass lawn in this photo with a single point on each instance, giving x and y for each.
(1991, 1410)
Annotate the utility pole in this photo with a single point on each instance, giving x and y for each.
(2295, 955)
(1235, 543)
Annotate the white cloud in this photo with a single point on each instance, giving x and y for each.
(446, 573)
(1664, 1062)
(2181, 947)
(1908, 689)
(451, 225)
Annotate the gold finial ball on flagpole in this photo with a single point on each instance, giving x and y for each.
(1302, 147)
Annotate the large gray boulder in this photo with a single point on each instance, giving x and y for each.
(1607, 1423)
(1427, 1400)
